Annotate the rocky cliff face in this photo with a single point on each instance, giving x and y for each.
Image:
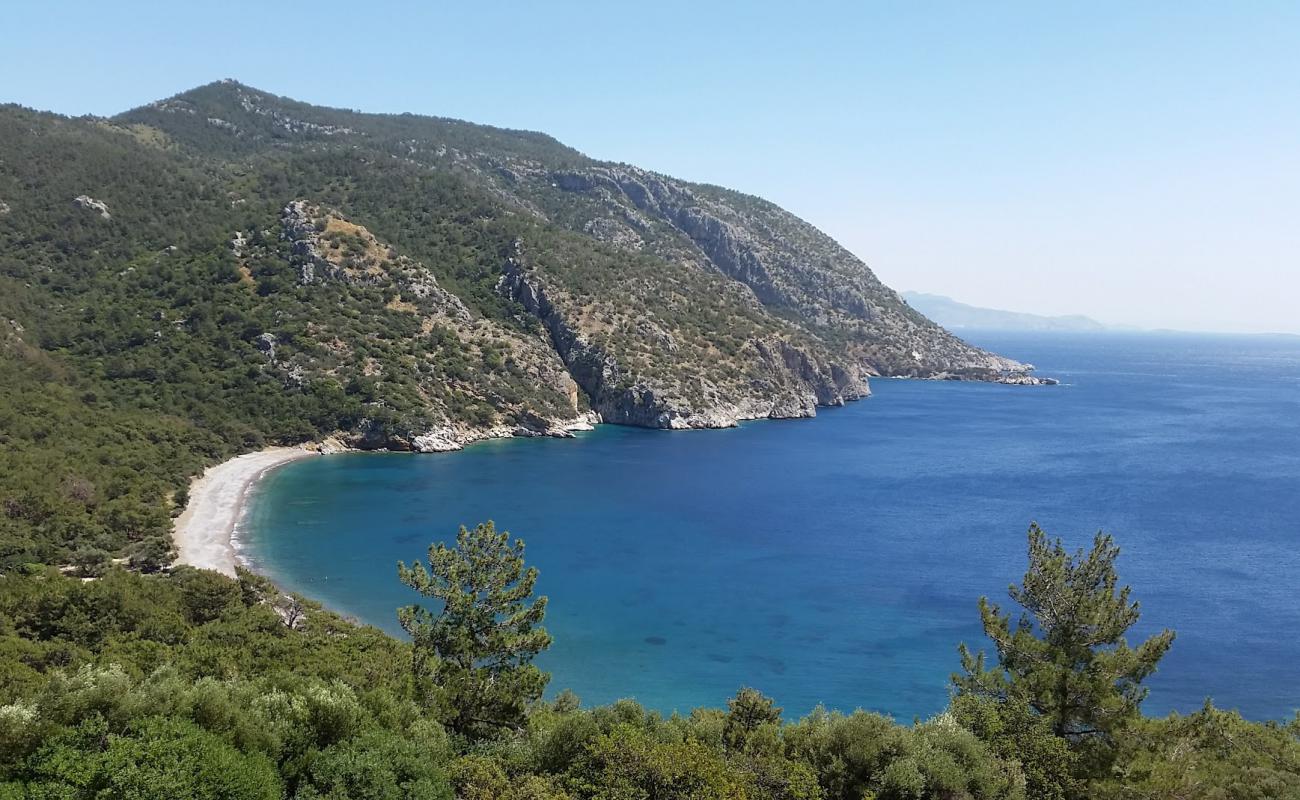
(790, 266)
(775, 378)
(327, 251)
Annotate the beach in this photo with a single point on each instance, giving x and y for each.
(203, 533)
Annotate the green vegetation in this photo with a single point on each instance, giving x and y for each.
(132, 346)
(473, 659)
(189, 684)
(161, 309)
(177, 331)
(1068, 661)
(177, 324)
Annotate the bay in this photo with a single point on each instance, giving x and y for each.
(839, 560)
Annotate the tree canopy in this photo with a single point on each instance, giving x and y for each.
(474, 655)
(1066, 656)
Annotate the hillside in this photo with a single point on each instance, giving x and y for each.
(952, 314)
(225, 269)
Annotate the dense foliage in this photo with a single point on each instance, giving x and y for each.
(473, 658)
(1067, 659)
(189, 684)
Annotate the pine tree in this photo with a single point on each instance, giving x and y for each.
(748, 711)
(1067, 658)
(473, 659)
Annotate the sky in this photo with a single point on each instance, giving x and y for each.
(1135, 162)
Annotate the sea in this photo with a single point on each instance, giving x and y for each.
(838, 561)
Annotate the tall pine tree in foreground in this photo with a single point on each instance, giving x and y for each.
(473, 658)
(1067, 658)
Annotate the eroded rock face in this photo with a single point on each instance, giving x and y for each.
(830, 384)
(328, 247)
(449, 361)
(614, 232)
(304, 227)
(90, 204)
(450, 437)
(1027, 380)
(789, 266)
(783, 380)
(593, 370)
(255, 103)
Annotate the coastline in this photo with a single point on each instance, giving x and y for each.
(204, 533)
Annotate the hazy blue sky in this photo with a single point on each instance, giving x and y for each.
(1138, 162)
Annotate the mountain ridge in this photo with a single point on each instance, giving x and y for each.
(817, 323)
(629, 209)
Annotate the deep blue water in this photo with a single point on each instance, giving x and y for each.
(839, 560)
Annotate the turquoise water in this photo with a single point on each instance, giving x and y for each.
(839, 560)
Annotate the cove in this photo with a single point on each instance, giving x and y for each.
(839, 560)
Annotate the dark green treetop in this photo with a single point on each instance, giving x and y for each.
(1067, 658)
(748, 711)
(474, 656)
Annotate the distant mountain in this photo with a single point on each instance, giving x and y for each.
(951, 314)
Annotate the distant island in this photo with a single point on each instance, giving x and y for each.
(952, 314)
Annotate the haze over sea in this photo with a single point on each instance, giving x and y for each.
(839, 560)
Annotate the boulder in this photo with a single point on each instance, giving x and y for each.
(91, 204)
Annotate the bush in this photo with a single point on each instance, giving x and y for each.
(154, 758)
(375, 766)
(91, 562)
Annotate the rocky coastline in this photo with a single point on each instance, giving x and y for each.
(206, 534)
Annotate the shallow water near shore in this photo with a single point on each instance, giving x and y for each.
(839, 560)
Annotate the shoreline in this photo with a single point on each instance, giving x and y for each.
(205, 533)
